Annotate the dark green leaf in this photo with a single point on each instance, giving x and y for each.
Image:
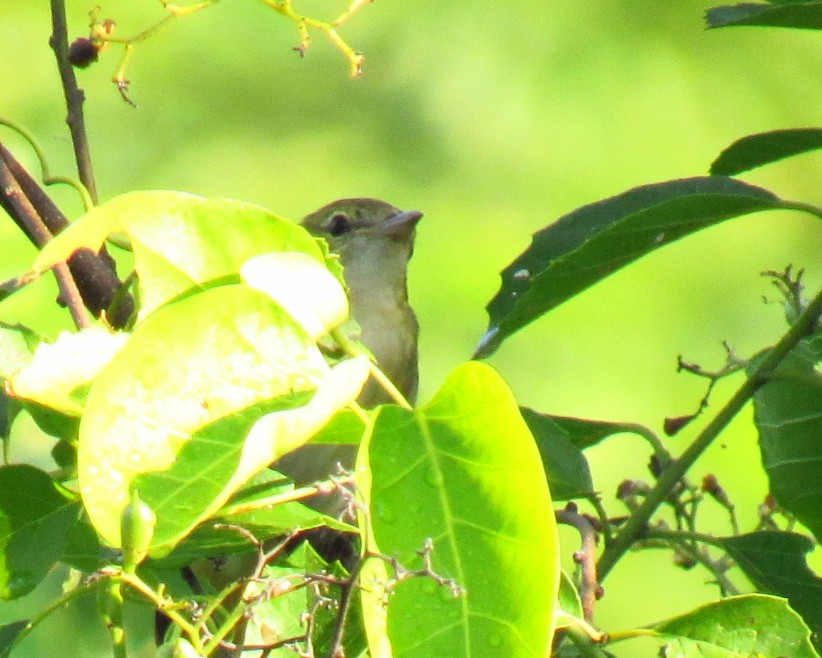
(776, 564)
(82, 550)
(757, 150)
(565, 465)
(584, 433)
(562, 439)
(738, 627)
(464, 471)
(788, 416)
(64, 454)
(35, 520)
(592, 242)
(10, 631)
(805, 15)
(9, 408)
(53, 422)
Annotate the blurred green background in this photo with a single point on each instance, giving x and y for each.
(494, 119)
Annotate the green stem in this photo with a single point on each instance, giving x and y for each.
(801, 206)
(686, 542)
(584, 644)
(48, 610)
(634, 529)
(48, 179)
(353, 349)
(135, 582)
(278, 499)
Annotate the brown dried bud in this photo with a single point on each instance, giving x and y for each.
(684, 560)
(672, 426)
(82, 52)
(631, 488)
(711, 486)
(655, 466)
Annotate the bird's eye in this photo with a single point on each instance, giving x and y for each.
(339, 224)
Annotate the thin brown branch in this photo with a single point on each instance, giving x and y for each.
(75, 97)
(39, 219)
(590, 590)
(15, 202)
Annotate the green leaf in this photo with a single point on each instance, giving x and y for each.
(17, 345)
(775, 562)
(35, 520)
(464, 471)
(788, 416)
(345, 428)
(738, 627)
(594, 241)
(223, 351)
(55, 423)
(565, 465)
(211, 540)
(804, 15)
(282, 616)
(8, 632)
(568, 596)
(319, 304)
(82, 550)
(181, 241)
(756, 150)
(59, 373)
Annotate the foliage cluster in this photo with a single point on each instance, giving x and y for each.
(211, 362)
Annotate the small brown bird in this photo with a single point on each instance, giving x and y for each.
(375, 241)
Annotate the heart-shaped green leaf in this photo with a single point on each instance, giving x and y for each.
(464, 472)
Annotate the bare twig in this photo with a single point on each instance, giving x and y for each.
(40, 218)
(590, 590)
(674, 472)
(689, 544)
(15, 202)
(732, 365)
(74, 97)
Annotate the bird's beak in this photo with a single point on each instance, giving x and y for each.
(399, 225)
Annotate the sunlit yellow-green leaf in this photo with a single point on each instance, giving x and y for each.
(222, 351)
(464, 472)
(60, 372)
(180, 241)
(319, 303)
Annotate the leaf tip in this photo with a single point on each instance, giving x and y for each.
(488, 343)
